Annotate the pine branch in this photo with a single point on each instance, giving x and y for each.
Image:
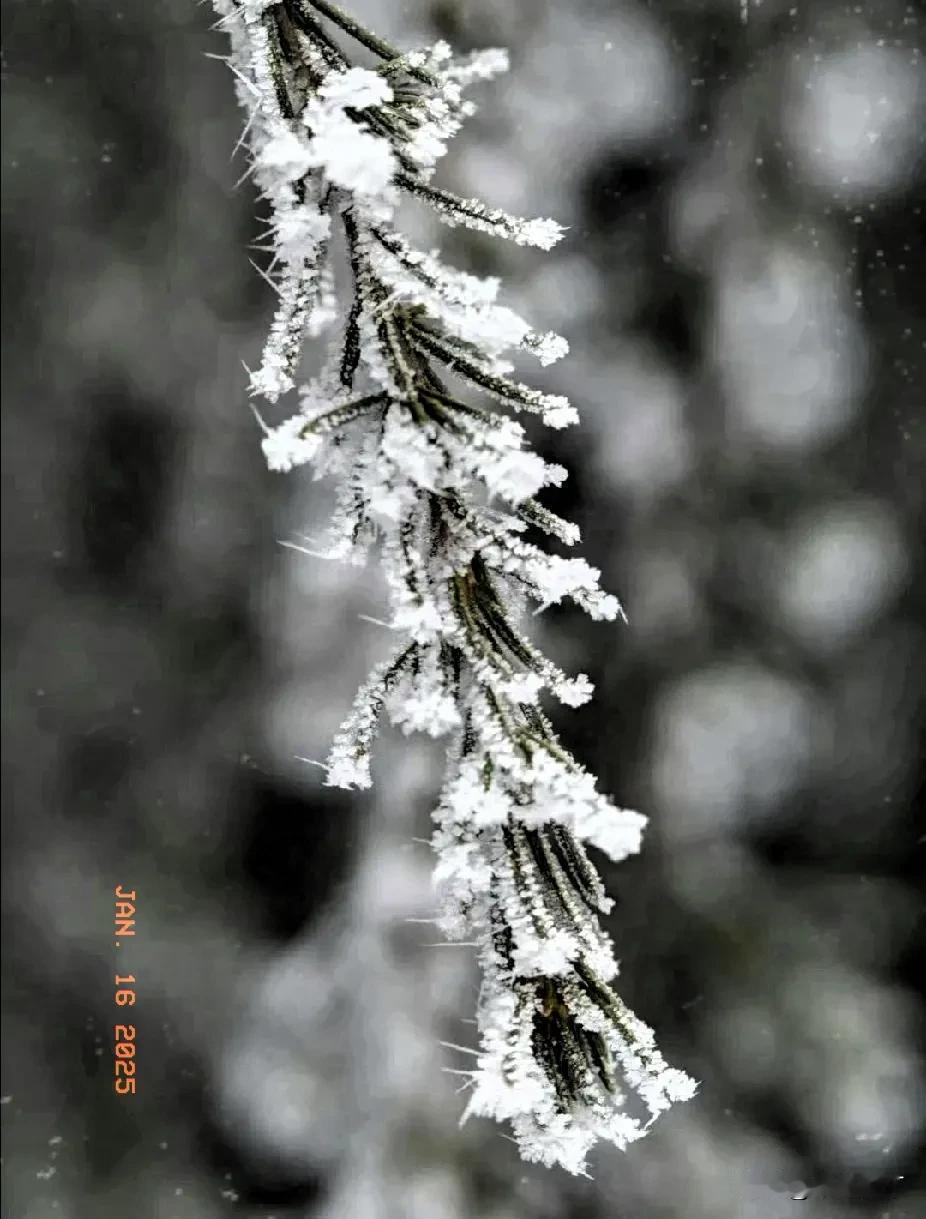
(447, 489)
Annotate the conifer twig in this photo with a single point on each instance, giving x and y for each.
(446, 490)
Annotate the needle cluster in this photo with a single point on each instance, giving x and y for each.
(413, 416)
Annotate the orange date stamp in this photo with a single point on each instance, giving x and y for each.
(125, 1080)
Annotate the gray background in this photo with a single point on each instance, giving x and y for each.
(743, 288)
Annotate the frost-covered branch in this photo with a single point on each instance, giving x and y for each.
(444, 487)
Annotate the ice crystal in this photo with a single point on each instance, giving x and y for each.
(444, 487)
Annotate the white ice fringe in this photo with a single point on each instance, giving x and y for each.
(446, 484)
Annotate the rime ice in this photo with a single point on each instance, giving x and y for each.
(410, 418)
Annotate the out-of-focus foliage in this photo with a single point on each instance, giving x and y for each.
(743, 289)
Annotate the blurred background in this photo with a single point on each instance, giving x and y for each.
(743, 289)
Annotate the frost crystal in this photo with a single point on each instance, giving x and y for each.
(446, 486)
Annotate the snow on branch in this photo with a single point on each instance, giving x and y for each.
(438, 477)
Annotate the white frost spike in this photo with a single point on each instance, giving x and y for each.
(299, 232)
(410, 418)
(482, 65)
(357, 88)
(285, 155)
(548, 348)
(347, 155)
(286, 446)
